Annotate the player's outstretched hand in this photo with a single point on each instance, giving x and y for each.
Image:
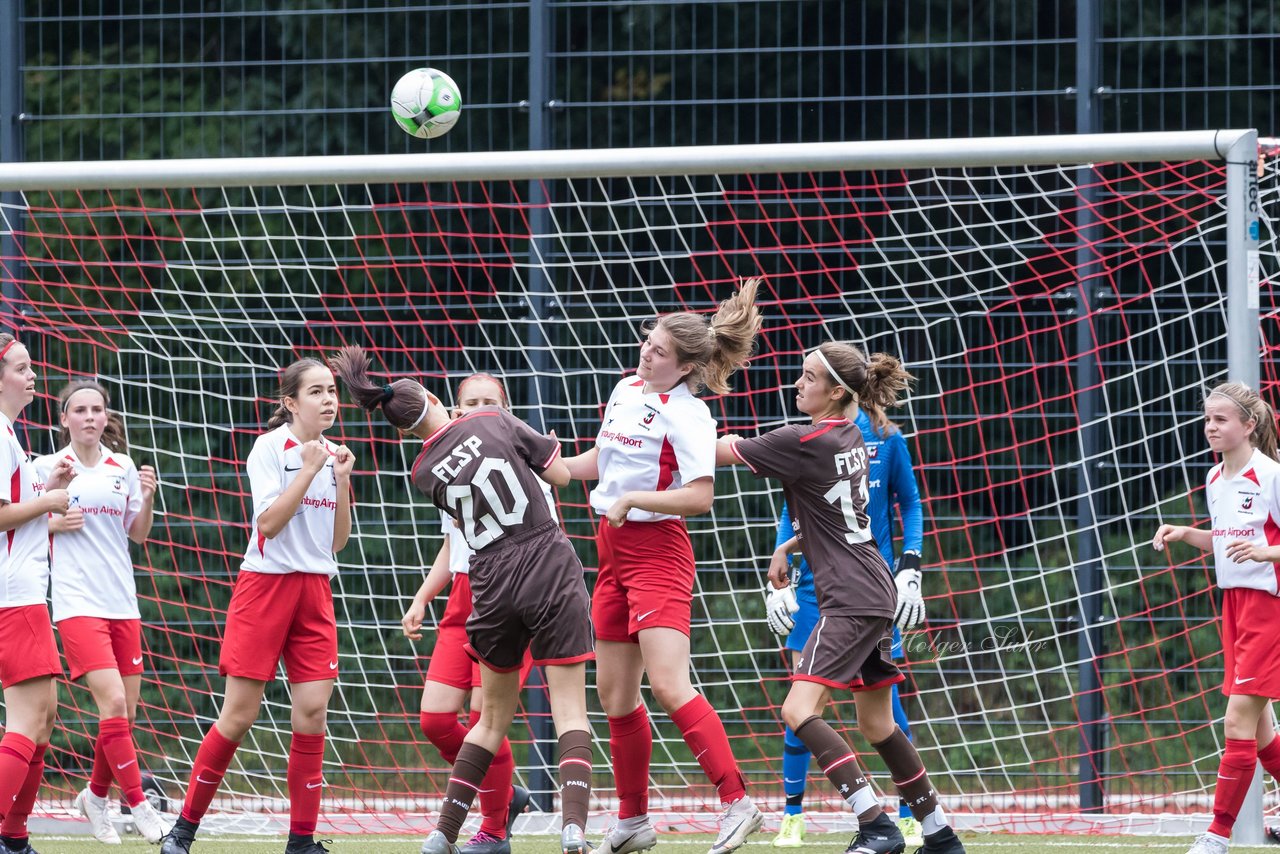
(1166, 534)
(411, 622)
(779, 607)
(910, 611)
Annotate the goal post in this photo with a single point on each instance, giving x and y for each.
(1062, 301)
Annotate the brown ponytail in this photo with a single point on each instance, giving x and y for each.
(113, 435)
(719, 347)
(877, 381)
(403, 402)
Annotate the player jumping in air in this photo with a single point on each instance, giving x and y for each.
(654, 460)
(453, 677)
(527, 585)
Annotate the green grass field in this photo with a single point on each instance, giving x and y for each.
(690, 844)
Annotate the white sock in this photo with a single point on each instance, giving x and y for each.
(634, 823)
(1223, 839)
(933, 822)
(862, 800)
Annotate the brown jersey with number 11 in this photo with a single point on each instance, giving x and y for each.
(823, 470)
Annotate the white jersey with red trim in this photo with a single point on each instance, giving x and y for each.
(1246, 507)
(460, 552)
(305, 544)
(650, 443)
(24, 557)
(91, 567)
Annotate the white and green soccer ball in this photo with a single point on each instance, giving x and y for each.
(426, 103)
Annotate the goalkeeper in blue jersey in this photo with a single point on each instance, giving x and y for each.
(793, 611)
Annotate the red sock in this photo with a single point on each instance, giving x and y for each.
(15, 820)
(631, 747)
(704, 732)
(1235, 775)
(1270, 758)
(306, 782)
(101, 777)
(443, 730)
(116, 740)
(495, 789)
(16, 751)
(212, 759)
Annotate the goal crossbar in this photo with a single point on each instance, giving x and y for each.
(1214, 145)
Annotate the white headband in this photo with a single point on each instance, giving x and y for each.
(1247, 412)
(426, 406)
(832, 372)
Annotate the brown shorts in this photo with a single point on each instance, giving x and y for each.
(529, 593)
(849, 651)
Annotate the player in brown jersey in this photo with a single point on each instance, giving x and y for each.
(823, 469)
(526, 581)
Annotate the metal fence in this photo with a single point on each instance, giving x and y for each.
(171, 79)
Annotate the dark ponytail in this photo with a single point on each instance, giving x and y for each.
(877, 382)
(113, 435)
(403, 402)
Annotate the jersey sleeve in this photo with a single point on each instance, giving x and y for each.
(266, 481)
(771, 455)
(538, 450)
(905, 492)
(694, 442)
(10, 467)
(133, 505)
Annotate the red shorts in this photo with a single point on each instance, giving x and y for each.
(645, 581)
(288, 615)
(27, 647)
(450, 662)
(97, 643)
(1250, 634)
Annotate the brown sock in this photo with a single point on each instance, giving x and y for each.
(464, 782)
(908, 773)
(837, 761)
(575, 777)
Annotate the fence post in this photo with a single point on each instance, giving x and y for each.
(1088, 571)
(542, 750)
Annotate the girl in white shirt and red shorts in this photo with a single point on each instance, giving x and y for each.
(28, 653)
(654, 463)
(95, 599)
(1243, 494)
(282, 604)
